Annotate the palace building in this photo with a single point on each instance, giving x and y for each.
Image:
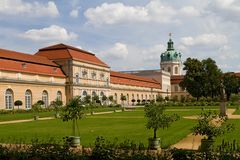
(62, 71)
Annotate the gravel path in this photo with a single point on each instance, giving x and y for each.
(193, 142)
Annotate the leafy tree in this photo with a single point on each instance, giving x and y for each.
(104, 98)
(95, 98)
(159, 99)
(193, 80)
(57, 105)
(203, 78)
(110, 98)
(212, 77)
(156, 118)
(167, 98)
(40, 102)
(175, 99)
(138, 101)
(18, 103)
(210, 124)
(73, 111)
(87, 99)
(133, 101)
(123, 98)
(231, 84)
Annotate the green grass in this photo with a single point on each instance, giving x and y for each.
(237, 112)
(19, 116)
(29, 115)
(123, 125)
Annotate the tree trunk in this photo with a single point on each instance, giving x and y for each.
(74, 127)
(155, 133)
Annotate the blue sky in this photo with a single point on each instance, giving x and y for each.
(126, 34)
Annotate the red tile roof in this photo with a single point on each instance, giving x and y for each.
(132, 80)
(24, 67)
(176, 79)
(13, 55)
(62, 51)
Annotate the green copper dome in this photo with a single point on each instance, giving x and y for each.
(170, 54)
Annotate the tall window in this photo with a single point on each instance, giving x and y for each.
(176, 70)
(45, 98)
(84, 73)
(28, 99)
(84, 94)
(59, 95)
(77, 78)
(94, 75)
(176, 88)
(9, 99)
(101, 95)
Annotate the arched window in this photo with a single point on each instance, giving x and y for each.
(94, 93)
(127, 99)
(176, 70)
(146, 97)
(59, 95)
(9, 99)
(101, 95)
(142, 96)
(132, 96)
(137, 96)
(169, 69)
(45, 98)
(77, 78)
(84, 94)
(28, 99)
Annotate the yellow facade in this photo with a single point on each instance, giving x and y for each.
(19, 83)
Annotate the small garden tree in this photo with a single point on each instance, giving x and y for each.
(138, 101)
(104, 99)
(157, 119)
(95, 99)
(56, 105)
(159, 99)
(36, 107)
(87, 99)
(167, 98)
(133, 101)
(211, 125)
(110, 98)
(18, 103)
(123, 98)
(73, 111)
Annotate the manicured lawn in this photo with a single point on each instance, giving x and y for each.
(19, 116)
(123, 125)
(29, 115)
(237, 111)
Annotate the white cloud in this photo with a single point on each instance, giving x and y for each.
(211, 39)
(115, 13)
(189, 11)
(228, 9)
(153, 53)
(54, 32)
(74, 13)
(35, 9)
(118, 51)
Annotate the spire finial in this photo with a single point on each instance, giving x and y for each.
(170, 35)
